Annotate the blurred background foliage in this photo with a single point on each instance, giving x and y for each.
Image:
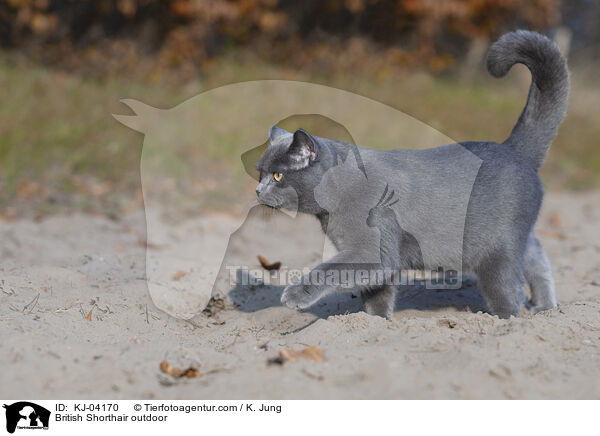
(99, 36)
(64, 64)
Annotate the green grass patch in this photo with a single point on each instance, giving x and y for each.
(56, 128)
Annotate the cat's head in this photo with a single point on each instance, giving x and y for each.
(290, 169)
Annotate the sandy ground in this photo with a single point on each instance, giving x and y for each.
(439, 344)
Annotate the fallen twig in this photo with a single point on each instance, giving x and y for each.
(299, 329)
(34, 302)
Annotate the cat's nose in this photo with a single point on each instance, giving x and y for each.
(258, 189)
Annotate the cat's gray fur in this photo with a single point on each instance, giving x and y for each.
(504, 196)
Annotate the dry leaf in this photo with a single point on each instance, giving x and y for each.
(547, 233)
(312, 354)
(147, 244)
(178, 275)
(288, 354)
(214, 306)
(191, 372)
(268, 266)
(555, 220)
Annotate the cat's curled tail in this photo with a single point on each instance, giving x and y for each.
(547, 101)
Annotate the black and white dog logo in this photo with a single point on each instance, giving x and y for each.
(26, 415)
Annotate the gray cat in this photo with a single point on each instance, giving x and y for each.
(469, 207)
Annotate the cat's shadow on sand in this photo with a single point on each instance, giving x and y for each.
(252, 298)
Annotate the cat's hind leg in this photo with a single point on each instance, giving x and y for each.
(538, 274)
(501, 281)
(380, 301)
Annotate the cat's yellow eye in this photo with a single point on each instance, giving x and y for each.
(277, 176)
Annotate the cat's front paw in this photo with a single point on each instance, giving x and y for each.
(299, 296)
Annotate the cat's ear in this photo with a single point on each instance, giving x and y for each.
(303, 148)
(276, 133)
